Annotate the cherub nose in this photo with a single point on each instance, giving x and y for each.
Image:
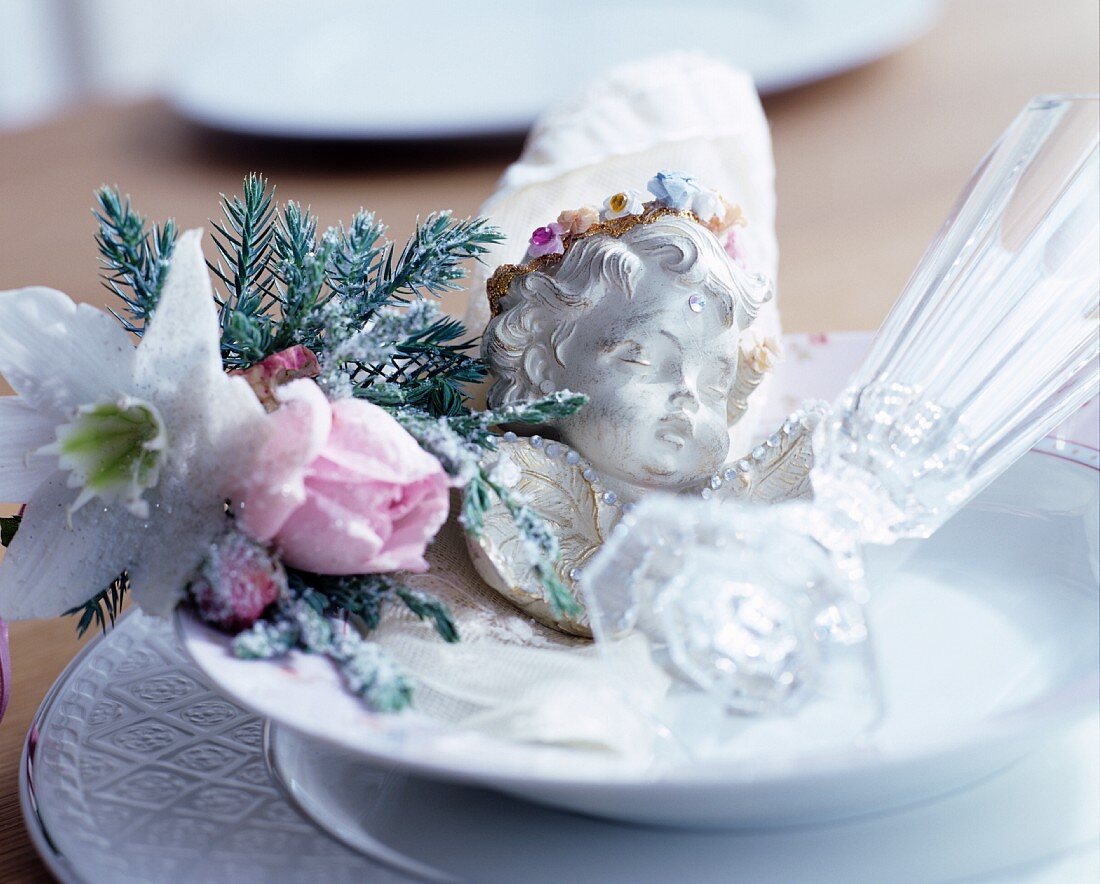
(684, 397)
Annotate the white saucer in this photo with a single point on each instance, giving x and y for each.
(379, 70)
(1038, 821)
(136, 771)
(987, 636)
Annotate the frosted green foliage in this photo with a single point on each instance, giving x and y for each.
(315, 632)
(539, 544)
(266, 639)
(371, 673)
(103, 609)
(456, 453)
(304, 622)
(134, 258)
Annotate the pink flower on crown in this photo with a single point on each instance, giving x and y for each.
(577, 221)
(730, 216)
(734, 248)
(546, 241)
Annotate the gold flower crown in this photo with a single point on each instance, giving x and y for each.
(675, 194)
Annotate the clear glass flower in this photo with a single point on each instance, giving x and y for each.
(737, 601)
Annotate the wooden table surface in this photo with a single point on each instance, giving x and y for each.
(868, 165)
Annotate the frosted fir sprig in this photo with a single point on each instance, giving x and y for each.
(365, 668)
(412, 355)
(243, 240)
(538, 542)
(103, 609)
(458, 443)
(133, 257)
(303, 620)
(282, 284)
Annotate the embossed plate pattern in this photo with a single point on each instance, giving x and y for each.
(137, 770)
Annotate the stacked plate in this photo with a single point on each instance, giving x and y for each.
(147, 762)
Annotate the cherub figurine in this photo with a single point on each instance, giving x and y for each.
(644, 309)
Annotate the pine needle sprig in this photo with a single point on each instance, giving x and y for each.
(360, 249)
(366, 595)
(243, 241)
(432, 260)
(539, 543)
(366, 669)
(458, 442)
(299, 272)
(103, 608)
(427, 369)
(133, 258)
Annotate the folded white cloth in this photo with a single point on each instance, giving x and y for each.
(512, 676)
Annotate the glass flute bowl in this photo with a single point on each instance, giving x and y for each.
(992, 343)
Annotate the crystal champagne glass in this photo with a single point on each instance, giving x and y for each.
(992, 343)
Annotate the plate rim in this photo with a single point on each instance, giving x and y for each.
(59, 865)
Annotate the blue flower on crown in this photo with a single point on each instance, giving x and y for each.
(674, 189)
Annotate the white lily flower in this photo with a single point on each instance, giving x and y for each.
(152, 435)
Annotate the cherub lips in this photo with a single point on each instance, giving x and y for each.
(674, 429)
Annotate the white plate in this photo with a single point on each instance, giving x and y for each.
(987, 637)
(136, 771)
(381, 70)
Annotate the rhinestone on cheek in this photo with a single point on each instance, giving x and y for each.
(697, 302)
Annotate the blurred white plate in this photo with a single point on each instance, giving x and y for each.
(987, 637)
(439, 69)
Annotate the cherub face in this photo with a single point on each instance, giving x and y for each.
(658, 371)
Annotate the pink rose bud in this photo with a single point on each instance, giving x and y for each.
(236, 582)
(278, 369)
(341, 488)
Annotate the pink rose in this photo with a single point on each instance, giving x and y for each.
(341, 488)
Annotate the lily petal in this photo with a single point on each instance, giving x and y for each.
(22, 432)
(58, 355)
(181, 345)
(214, 421)
(170, 552)
(50, 567)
